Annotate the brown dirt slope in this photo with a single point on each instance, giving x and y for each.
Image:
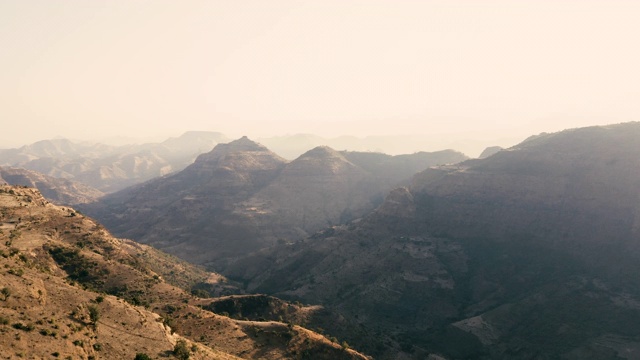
(68, 289)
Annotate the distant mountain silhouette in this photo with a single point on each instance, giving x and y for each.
(292, 146)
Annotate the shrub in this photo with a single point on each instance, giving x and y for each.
(181, 351)
(6, 292)
(201, 293)
(142, 356)
(21, 326)
(94, 314)
(16, 272)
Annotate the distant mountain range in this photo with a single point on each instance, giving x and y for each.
(59, 191)
(242, 197)
(531, 253)
(292, 146)
(110, 168)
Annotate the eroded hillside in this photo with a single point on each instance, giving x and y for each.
(69, 289)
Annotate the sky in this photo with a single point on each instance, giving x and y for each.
(490, 72)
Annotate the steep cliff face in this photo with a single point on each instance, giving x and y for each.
(529, 253)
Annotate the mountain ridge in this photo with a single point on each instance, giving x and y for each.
(528, 253)
(110, 168)
(242, 197)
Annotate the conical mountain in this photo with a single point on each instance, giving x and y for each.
(318, 189)
(191, 212)
(238, 164)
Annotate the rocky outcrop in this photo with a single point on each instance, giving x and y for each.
(398, 204)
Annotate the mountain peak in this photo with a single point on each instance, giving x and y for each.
(243, 144)
(241, 153)
(322, 152)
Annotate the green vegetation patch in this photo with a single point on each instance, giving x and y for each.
(77, 266)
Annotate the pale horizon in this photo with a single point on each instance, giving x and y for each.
(474, 73)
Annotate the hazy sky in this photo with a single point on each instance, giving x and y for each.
(481, 70)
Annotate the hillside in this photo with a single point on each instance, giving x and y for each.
(110, 168)
(241, 197)
(529, 253)
(70, 290)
